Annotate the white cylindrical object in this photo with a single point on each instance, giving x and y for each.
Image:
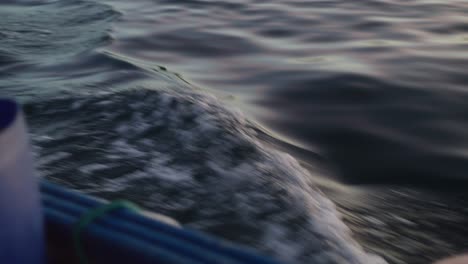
(21, 226)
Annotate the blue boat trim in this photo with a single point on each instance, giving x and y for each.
(124, 236)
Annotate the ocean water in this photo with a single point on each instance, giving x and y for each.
(314, 131)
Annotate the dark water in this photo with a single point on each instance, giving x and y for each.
(189, 108)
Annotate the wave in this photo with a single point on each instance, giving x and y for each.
(185, 155)
(174, 150)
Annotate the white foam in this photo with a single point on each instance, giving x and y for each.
(119, 184)
(91, 168)
(191, 146)
(123, 147)
(56, 156)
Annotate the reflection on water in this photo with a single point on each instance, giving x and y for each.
(377, 86)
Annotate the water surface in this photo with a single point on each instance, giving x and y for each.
(189, 107)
